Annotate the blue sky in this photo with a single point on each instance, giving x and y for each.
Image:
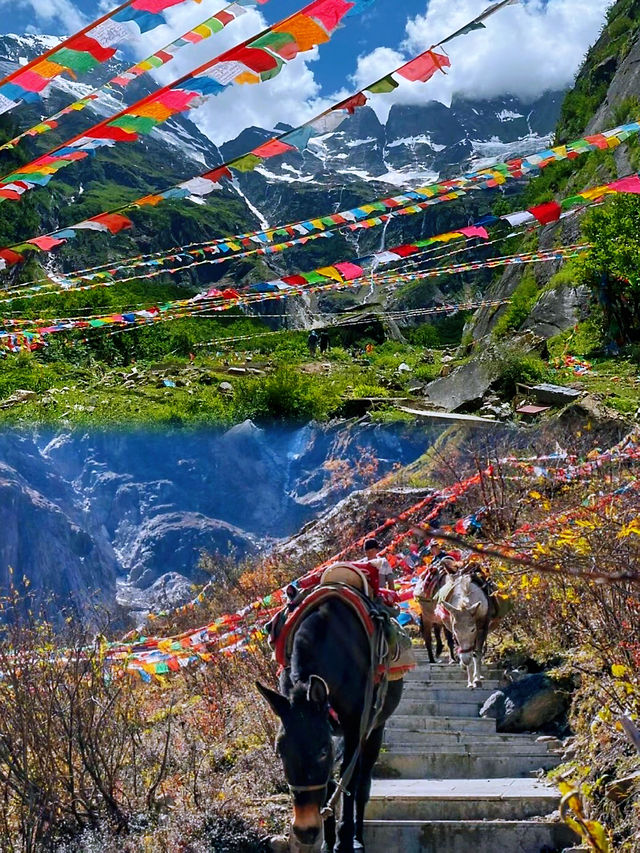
(526, 49)
(61, 17)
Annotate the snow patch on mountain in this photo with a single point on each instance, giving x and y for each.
(509, 115)
(413, 141)
(493, 150)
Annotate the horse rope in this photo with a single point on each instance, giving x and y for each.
(379, 649)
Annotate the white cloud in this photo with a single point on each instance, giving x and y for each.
(525, 50)
(290, 97)
(48, 12)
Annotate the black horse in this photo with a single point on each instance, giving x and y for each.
(330, 667)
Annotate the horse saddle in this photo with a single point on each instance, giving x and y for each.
(350, 584)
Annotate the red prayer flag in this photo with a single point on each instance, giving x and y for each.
(627, 185)
(423, 67)
(215, 174)
(294, 279)
(255, 58)
(546, 213)
(45, 243)
(272, 148)
(10, 257)
(404, 251)
(475, 231)
(85, 44)
(105, 131)
(349, 271)
(329, 12)
(12, 195)
(599, 140)
(176, 99)
(352, 104)
(115, 222)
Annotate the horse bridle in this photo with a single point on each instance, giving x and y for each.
(304, 789)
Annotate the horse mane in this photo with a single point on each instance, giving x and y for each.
(298, 693)
(465, 591)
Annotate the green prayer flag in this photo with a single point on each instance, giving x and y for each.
(274, 40)
(387, 84)
(80, 61)
(135, 124)
(474, 25)
(246, 163)
(272, 72)
(314, 277)
(574, 199)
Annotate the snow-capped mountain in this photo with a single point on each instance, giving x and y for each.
(360, 161)
(417, 143)
(180, 136)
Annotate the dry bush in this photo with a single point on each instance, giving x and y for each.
(74, 746)
(90, 755)
(576, 578)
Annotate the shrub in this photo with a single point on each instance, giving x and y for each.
(522, 301)
(514, 366)
(285, 395)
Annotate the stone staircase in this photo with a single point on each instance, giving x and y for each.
(447, 782)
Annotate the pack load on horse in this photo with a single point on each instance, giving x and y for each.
(456, 594)
(441, 566)
(342, 658)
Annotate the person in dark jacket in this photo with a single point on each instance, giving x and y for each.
(312, 342)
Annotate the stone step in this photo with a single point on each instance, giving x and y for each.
(426, 740)
(527, 746)
(413, 678)
(460, 799)
(423, 722)
(409, 763)
(427, 708)
(443, 836)
(443, 669)
(446, 692)
(422, 656)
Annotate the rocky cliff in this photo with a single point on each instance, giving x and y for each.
(606, 93)
(81, 514)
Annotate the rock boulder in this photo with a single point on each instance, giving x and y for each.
(527, 705)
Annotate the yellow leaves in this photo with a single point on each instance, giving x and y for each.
(590, 831)
(630, 529)
(618, 670)
(535, 495)
(571, 596)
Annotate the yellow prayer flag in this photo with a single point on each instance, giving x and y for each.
(331, 272)
(48, 69)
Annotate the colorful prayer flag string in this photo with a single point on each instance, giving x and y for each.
(413, 201)
(253, 61)
(83, 51)
(204, 30)
(338, 276)
(276, 45)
